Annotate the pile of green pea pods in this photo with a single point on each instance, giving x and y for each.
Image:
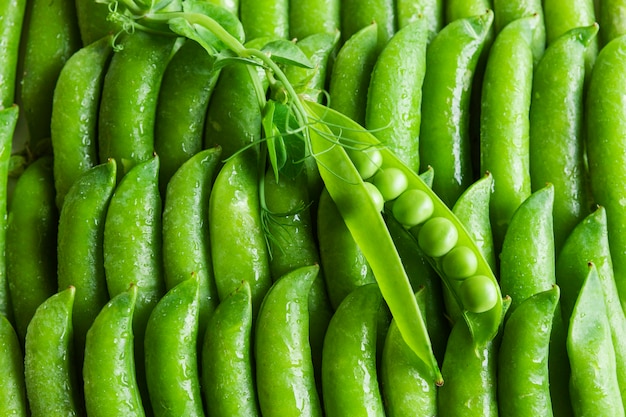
(313, 207)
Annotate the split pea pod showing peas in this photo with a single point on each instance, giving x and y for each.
(350, 77)
(75, 107)
(523, 378)
(349, 374)
(109, 377)
(434, 226)
(394, 97)
(11, 22)
(234, 206)
(285, 377)
(8, 123)
(589, 242)
(129, 99)
(51, 374)
(31, 242)
(80, 254)
(184, 95)
(13, 400)
(307, 17)
(594, 385)
(186, 242)
(606, 147)
(504, 125)
(51, 36)
(556, 128)
(171, 352)
(444, 135)
(228, 383)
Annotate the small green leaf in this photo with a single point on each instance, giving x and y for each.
(292, 140)
(182, 27)
(286, 52)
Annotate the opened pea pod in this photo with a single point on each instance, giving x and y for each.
(439, 233)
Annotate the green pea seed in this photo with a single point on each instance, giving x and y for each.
(367, 161)
(375, 195)
(460, 263)
(437, 237)
(413, 207)
(391, 182)
(478, 294)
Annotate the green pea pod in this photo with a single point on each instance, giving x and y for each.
(504, 125)
(171, 352)
(349, 192)
(51, 36)
(405, 383)
(11, 22)
(355, 15)
(234, 207)
(350, 77)
(523, 380)
(610, 17)
(349, 375)
(186, 243)
(556, 128)
(13, 401)
(432, 11)
(507, 11)
(394, 97)
(594, 385)
(267, 18)
(293, 244)
(132, 239)
(342, 261)
(80, 254)
(606, 147)
(444, 135)
(129, 99)
(459, 9)
(49, 368)
(313, 16)
(561, 16)
(132, 247)
(75, 107)
(110, 381)
(8, 123)
(234, 117)
(227, 361)
(184, 95)
(93, 21)
(589, 242)
(470, 375)
(31, 242)
(311, 82)
(284, 367)
(527, 267)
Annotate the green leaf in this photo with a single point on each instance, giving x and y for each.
(227, 57)
(273, 139)
(202, 35)
(287, 52)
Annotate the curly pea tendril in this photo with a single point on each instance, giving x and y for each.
(364, 178)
